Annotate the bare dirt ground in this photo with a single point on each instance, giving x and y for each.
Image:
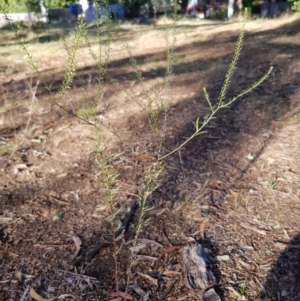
(238, 183)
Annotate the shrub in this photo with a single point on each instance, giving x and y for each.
(296, 7)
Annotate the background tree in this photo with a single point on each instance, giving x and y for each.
(295, 5)
(57, 3)
(21, 6)
(32, 6)
(230, 9)
(14, 6)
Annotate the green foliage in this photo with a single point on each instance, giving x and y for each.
(86, 113)
(14, 6)
(243, 288)
(72, 52)
(57, 3)
(5, 149)
(33, 6)
(19, 6)
(162, 5)
(20, 25)
(221, 13)
(222, 102)
(296, 6)
(250, 3)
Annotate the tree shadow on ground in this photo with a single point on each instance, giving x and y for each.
(283, 282)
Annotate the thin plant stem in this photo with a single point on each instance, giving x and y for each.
(209, 118)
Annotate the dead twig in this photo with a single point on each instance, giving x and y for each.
(78, 275)
(24, 296)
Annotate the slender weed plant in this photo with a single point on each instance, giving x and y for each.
(155, 107)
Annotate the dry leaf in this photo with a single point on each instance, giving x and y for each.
(138, 290)
(245, 264)
(149, 278)
(64, 296)
(151, 242)
(5, 219)
(137, 248)
(223, 257)
(121, 294)
(145, 257)
(77, 242)
(171, 273)
(156, 212)
(62, 175)
(33, 294)
(185, 297)
(19, 275)
(146, 297)
(202, 226)
(249, 227)
(24, 296)
(166, 251)
(236, 294)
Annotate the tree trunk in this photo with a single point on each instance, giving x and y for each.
(240, 7)
(154, 17)
(230, 9)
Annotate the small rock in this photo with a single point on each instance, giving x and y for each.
(205, 207)
(36, 153)
(20, 166)
(234, 278)
(57, 217)
(286, 235)
(62, 175)
(270, 160)
(276, 227)
(24, 176)
(38, 141)
(75, 194)
(65, 196)
(250, 157)
(223, 258)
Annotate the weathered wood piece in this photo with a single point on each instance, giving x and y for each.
(210, 295)
(197, 267)
(198, 274)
